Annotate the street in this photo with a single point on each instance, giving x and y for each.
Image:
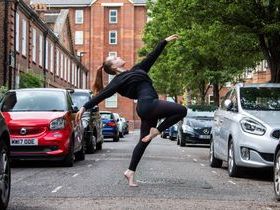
(170, 177)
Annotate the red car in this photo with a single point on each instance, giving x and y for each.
(42, 125)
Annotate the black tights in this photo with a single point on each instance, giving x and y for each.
(150, 111)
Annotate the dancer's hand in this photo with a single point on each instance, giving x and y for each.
(172, 37)
(79, 114)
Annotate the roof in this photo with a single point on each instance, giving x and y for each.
(77, 2)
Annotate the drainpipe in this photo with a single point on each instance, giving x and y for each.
(44, 58)
(6, 54)
(12, 74)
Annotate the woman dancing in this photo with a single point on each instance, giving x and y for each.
(136, 84)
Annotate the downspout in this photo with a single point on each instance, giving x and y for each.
(6, 54)
(15, 51)
(44, 58)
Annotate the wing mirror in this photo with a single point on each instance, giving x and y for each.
(75, 109)
(228, 104)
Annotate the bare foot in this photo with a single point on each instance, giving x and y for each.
(153, 133)
(129, 175)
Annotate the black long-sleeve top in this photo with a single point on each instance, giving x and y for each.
(134, 84)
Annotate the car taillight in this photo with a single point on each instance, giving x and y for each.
(111, 124)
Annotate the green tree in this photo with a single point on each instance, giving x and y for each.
(30, 80)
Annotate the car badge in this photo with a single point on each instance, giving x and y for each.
(205, 131)
(23, 131)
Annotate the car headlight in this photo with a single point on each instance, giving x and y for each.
(251, 126)
(57, 124)
(187, 129)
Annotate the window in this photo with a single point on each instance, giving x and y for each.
(47, 54)
(65, 68)
(79, 17)
(73, 73)
(113, 16)
(113, 54)
(23, 50)
(40, 50)
(113, 37)
(57, 62)
(68, 71)
(84, 80)
(112, 102)
(17, 32)
(79, 78)
(79, 37)
(34, 45)
(61, 65)
(51, 64)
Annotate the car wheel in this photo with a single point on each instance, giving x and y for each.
(182, 141)
(233, 169)
(277, 176)
(121, 134)
(80, 155)
(5, 175)
(214, 162)
(99, 145)
(70, 157)
(116, 138)
(90, 144)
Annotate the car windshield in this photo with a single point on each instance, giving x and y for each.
(34, 100)
(201, 111)
(260, 98)
(107, 116)
(79, 99)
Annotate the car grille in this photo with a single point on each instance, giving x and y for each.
(33, 148)
(29, 130)
(203, 131)
(276, 134)
(267, 157)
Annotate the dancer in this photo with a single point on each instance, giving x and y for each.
(136, 84)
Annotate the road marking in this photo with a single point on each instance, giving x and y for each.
(75, 175)
(202, 164)
(189, 155)
(108, 150)
(195, 160)
(56, 189)
(214, 172)
(89, 165)
(269, 208)
(232, 182)
(96, 160)
(183, 150)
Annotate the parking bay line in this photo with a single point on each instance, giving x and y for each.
(195, 160)
(75, 175)
(56, 189)
(232, 182)
(214, 172)
(202, 164)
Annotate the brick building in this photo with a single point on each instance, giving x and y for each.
(29, 44)
(102, 28)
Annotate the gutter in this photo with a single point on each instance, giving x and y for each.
(13, 73)
(44, 58)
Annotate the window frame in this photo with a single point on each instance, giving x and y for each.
(79, 41)
(111, 16)
(116, 37)
(77, 18)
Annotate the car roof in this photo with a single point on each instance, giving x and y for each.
(268, 85)
(105, 112)
(38, 89)
(81, 90)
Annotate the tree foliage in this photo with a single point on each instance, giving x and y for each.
(30, 80)
(208, 51)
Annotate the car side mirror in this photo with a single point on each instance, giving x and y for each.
(95, 109)
(228, 104)
(74, 109)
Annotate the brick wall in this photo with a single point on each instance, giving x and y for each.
(2, 65)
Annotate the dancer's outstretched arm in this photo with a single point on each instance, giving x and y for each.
(147, 63)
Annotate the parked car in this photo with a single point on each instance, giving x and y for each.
(246, 127)
(110, 127)
(276, 179)
(42, 125)
(91, 120)
(125, 125)
(197, 125)
(173, 132)
(5, 171)
(164, 134)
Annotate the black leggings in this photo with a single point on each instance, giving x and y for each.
(150, 111)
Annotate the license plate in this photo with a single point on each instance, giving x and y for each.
(24, 142)
(204, 136)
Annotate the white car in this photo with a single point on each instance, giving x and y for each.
(121, 126)
(246, 127)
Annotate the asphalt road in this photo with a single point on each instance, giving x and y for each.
(170, 177)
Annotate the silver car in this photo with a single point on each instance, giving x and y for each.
(246, 127)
